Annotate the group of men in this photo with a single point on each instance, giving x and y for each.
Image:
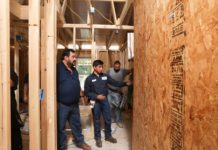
(103, 89)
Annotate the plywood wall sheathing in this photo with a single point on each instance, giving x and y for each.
(176, 61)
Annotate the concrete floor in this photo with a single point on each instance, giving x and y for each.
(123, 136)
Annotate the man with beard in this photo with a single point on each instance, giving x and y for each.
(68, 95)
(115, 95)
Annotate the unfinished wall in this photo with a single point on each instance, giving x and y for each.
(176, 75)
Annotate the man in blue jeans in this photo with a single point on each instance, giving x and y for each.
(96, 88)
(68, 95)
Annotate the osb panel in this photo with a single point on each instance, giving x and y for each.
(176, 75)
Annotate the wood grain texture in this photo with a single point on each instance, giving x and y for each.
(161, 27)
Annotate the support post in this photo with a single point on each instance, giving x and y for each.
(34, 74)
(5, 100)
(51, 49)
(43, 86)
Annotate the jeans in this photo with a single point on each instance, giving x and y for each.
(104, 108)
(115, 101)
(72, 115)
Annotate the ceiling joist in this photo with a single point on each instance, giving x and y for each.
(98, 26)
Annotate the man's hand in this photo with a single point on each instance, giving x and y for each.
(128, 83)
(101, 97)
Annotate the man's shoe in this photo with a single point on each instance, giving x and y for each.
(111, 139)
(119, 124)
(98, 143)
(84, 146)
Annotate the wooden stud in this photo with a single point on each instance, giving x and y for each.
(124, 11)
(43, 86)
(34, 75)
(1, 104)
(93, 51)
(5, 105)
(74, 38)
(51, 29)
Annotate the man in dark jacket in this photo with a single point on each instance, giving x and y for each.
(96, 89)
(68, 95)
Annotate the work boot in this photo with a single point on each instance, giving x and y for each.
(99, 143)
(84, 146)
(111, 139)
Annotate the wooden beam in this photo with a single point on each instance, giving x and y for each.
(90, 16)
(5, 105)
(34, 74)
(60, 12)
(93, 51)
(1, 103)
(64, 6)
(51, 49)
(74, 38)
(16, 65)
(109, 42)
(120, 22)
(98, 26)
(124, 11)
(43, 86)
(114, 12)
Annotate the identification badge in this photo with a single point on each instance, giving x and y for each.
(104, 78)
(94, 80)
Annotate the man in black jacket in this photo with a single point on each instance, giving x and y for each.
(96, 89)
(68, 95)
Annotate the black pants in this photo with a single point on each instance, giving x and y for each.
(16, 139)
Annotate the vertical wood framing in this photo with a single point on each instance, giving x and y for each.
(51, 42)
(93, 51)
(5, 118)
(1, 103)
(16, 65)
(74, 38)
(43, 86)
(34, 77)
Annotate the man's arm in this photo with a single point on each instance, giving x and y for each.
(116, 83)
